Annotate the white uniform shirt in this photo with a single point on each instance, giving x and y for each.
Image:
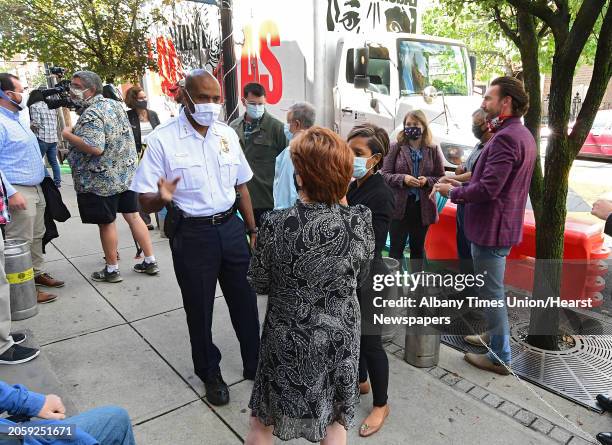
(209, 167)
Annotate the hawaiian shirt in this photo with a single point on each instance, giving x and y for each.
(104, 125)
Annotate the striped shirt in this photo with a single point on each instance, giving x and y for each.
(44, 122)
(20, 158)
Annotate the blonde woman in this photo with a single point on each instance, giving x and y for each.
(411, 169)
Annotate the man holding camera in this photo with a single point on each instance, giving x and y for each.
(103, 161)
(24, 171)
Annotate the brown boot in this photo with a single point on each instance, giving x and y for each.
(44, 279)
(478, 339)
(483, 361)
(45, 297)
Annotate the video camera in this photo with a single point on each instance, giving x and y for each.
(61, 90)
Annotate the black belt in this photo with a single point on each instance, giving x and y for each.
(213, 220)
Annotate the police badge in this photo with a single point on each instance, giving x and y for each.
(224, 145)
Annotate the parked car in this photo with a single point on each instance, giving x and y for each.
(599, 140)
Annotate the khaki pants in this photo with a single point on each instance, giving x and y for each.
(29, 224)
(6, 341)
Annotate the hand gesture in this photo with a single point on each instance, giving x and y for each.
(422, 181)
(53, 408)
(167, 188)
(443, 189)
(449, 180)
(411, 181)
(602, 209)
(17, 202)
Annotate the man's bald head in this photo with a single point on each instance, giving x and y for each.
(198, 77)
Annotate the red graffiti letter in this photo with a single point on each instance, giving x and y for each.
(274, 94)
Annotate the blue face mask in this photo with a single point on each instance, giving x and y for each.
(360, 168)
(255, 111)
(288, 133)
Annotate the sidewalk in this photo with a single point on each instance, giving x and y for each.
(127, 344)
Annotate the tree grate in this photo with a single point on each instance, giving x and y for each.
(577, 373)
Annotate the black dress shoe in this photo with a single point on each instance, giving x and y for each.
(605, 402)
(217, 391)
(605, 438)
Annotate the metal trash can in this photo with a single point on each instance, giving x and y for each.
(388, 331)
(20, 275)
(422, 343)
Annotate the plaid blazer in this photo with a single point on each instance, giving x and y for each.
(496, 195)
(397, 164)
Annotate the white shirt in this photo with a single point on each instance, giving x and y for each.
(145, 130)
(209, 167)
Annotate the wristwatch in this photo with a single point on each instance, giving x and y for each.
(253, 231)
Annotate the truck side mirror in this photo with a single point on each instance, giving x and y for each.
(473, 60)
(360, 67)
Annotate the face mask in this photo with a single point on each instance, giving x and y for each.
(494, 124)
(478, 131)
(413, 133)
(255, 111)
(78, 94)
(142, 104)
(288, 133)
(360, 168)
(204, 114)
(24, 99)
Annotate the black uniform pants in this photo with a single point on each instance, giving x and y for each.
(203, 254)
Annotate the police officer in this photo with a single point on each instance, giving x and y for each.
(195, 164)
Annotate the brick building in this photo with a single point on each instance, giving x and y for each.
(582, 79)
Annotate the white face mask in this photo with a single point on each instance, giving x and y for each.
(24, 100)
(204, 114)
(255, 111)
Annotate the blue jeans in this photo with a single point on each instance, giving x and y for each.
(50, 149)
(109, 425)
(492, 260)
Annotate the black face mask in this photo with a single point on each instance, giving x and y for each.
(478, 131)
(142, 104)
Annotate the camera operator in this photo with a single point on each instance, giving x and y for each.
(24, 170)
(43, 123)
(103, 158)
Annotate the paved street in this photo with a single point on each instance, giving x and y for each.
(127, 344)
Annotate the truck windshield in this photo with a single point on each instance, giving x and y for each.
(441, 65)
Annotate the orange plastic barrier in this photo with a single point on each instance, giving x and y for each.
(584, 255)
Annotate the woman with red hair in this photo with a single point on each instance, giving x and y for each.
(308, 260)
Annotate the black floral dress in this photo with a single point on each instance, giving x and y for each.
(309, 259)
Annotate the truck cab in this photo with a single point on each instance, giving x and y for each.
(379, 78)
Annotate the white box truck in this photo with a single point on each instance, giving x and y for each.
(354, 60)
(341, 57)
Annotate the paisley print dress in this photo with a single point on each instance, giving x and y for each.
(309, 259)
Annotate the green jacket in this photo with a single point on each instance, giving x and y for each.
(261, 150)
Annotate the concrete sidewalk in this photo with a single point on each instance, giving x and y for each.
(127, 344)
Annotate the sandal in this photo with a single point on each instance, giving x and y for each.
(367, 430)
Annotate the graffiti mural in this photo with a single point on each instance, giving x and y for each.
(368, 15)
(196, 34)
(190, 39)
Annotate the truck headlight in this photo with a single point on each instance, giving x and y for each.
(455, 153)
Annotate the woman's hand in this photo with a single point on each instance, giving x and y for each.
(411, 181)
(422, 181)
